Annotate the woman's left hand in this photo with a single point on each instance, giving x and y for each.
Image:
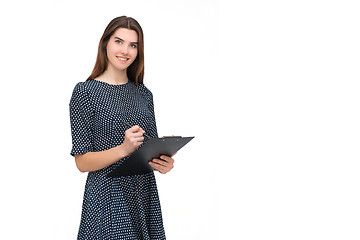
(163, 165)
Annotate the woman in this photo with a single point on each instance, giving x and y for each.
(100, 107)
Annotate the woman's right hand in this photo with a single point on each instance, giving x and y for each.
(133, 139)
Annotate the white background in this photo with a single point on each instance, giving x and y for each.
(270, 89)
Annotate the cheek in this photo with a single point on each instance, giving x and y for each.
(110, 49)
(134, 52)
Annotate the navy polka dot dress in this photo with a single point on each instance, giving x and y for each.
(123, 207)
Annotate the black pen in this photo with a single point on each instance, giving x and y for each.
(132, 126)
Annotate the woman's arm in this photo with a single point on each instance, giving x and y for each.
(92, 161)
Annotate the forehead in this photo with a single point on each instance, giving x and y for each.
(126, 34)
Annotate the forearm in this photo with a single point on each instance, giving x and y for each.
(93, 161)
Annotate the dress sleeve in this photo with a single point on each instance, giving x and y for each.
(81, 121)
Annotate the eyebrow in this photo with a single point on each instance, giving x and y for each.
(124, 41)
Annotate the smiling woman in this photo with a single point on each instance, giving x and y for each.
(123, 39)
(114, 94)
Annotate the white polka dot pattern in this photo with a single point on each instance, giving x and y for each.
(114, 208)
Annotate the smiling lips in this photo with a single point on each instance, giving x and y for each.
(122, 59)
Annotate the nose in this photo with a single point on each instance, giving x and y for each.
(124, 49)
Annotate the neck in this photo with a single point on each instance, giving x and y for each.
(114, 76)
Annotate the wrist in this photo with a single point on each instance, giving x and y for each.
(122, 152)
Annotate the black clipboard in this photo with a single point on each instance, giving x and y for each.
(138, 162)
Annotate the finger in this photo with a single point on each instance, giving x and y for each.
(160, 162)
(135, 134)
(159, 167)
(136, 128)
(138, 140)
(167, 158)
(165, 166)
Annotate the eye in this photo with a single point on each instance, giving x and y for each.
(133, 45)
(118, 41)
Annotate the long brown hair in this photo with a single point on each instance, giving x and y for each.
(135, 71)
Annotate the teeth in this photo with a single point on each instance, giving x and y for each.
(123, 59)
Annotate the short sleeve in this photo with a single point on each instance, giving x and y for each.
(81, 121)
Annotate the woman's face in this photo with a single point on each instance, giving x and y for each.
(122, 48)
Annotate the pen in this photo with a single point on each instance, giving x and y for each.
(127, 124)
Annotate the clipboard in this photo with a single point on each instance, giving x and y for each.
(138, 162)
